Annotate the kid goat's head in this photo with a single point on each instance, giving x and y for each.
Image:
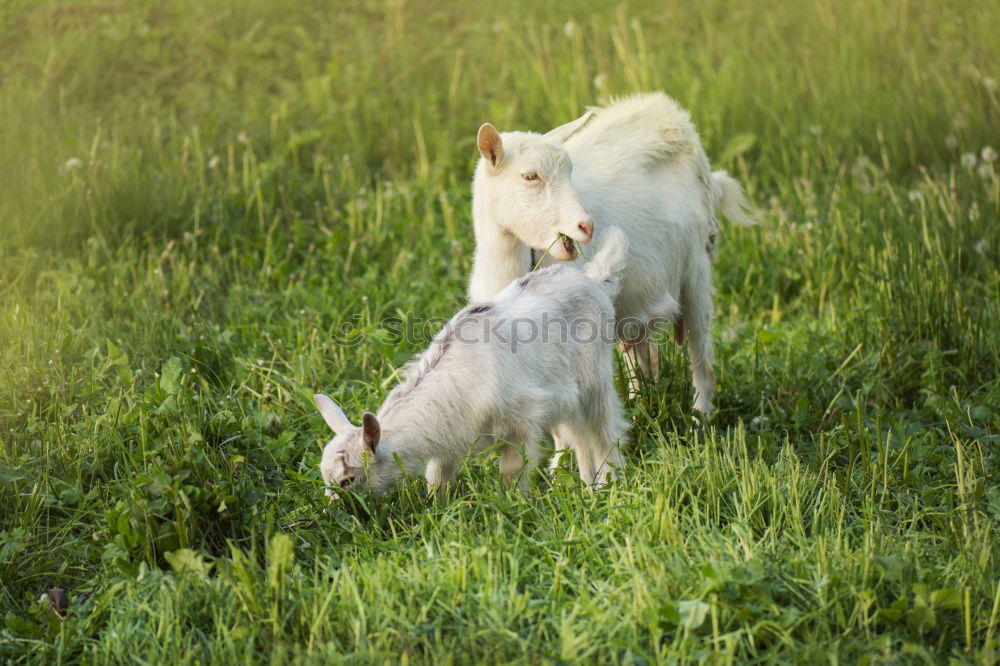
(523, 185)
(350, 459)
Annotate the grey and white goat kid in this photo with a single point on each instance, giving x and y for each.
(535, 358)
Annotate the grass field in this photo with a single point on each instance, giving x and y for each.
(195, 196)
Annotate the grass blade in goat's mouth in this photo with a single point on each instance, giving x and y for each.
(568, 245)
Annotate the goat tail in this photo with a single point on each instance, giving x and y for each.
(608, 261)
(731, 200)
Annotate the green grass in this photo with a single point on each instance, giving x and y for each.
(195, 196)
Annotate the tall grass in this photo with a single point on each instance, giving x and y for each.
(197, 196)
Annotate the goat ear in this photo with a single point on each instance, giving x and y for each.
(490, 144)
(332, 414)
(564, 132)
(371, 431)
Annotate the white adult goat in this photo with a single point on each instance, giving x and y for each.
(536, 357)
(638, 165)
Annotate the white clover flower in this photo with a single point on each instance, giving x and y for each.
(214, 162)
(815, 130)
(600, 80)
(968, 160)
(951, 141)
(72, 164)
(569, 28)
(981, 246)
(914, 195)
(985, 171)
(974, 212)
(988, 154)
(989, 83)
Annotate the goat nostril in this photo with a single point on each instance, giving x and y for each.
(587, 228)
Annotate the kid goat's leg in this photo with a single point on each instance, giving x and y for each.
(557, 454)
(698, 319)
(517, 461)
(567, 436)
(596, 455)
(438, 473)
(606, 425)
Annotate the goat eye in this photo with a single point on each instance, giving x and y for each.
(530, 175)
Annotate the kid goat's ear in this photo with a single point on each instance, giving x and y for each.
(332, 414)
(564, 132)
(490, 144)
(371, 431)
